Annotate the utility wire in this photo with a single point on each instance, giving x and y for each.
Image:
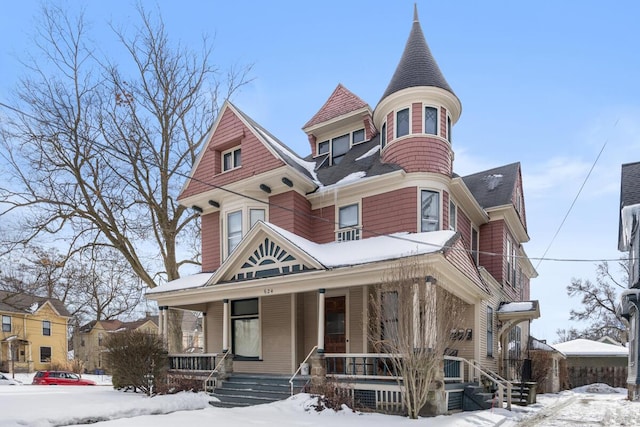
(316, 217)
(575, 199)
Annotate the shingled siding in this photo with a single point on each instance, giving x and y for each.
(420, 154)
(210, 224)
(292, 211)
(324, 224)
(492, 240)
(443, 123)
(390, 212)
(230, 132)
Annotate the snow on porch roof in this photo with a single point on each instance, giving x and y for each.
(340, 254)
(514, 307)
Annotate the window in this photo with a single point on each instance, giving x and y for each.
(357, 136)
(245, 325)
(383, 135)
(402, 123)
(515, 343)
(46, 328)
(429, 210)
(45, 354)
(6, 323)
(256, 215)
(452, 216)
(348, 218)
(339, 148)
(448, 128)
(99, 338)
(323, 147)
(430, 120)
(511, 262)
(489, 331)
(474, 245)
(231, 159)
(389, 321)
(234, 230)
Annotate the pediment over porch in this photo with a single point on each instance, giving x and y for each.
(264, 252)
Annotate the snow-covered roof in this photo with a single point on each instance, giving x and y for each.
(589, 348)
(339, 254)
(187, 282)
(513, 307)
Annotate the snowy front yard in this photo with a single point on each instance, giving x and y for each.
(44, 406)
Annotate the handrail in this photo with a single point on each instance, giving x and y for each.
(315, 347)
(215, 370)
(496, 380)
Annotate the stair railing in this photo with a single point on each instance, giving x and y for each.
(215, 371)
(315, 347)
(500, 382)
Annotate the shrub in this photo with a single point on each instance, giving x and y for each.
(331, 395)
(137, 361)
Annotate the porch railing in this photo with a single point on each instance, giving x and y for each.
(381, 366)
(315, 347)
(193, 362)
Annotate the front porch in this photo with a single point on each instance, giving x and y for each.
(369, 378)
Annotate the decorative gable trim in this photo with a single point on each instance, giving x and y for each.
(264, 253)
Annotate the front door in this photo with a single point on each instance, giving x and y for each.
(335, 338)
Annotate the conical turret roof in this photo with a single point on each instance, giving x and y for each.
(417, 66)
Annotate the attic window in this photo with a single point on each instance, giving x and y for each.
(231, 159)
(357, 136)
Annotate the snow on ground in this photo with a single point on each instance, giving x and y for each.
(101, 406)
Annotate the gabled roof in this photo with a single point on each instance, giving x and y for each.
(113, 325)
(629, 196)
(493, 187)
(28, 304)
(417, 66)
(341, 102)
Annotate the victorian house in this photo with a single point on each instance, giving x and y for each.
(293, 247)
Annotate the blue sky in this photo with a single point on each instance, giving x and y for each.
(545, 83)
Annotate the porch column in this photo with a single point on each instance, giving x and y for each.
(225, 325)
(160, 323)
(321, 294)
(204, 332)
(165, 326)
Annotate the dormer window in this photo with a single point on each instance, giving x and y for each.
(431, 120)
(402, 123)
(338, 147)
(231, 159)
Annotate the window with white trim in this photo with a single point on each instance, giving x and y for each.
(431, 120)
(245, 328)
(46, 328)
(348, 220)
(338, 147)
(6, 323)
(452, 216)
(449, 128)
(429, 210)
(45, 354)
(256, 215)
(512, 266)
(231, 159)
(234, 230)
(357, 136)
(475, 252)
(402, 123)
(389, 321)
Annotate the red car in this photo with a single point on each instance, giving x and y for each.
(59, 378)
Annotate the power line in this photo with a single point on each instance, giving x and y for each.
(584, 182)
(316, 217)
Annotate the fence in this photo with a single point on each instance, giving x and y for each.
(615, 376)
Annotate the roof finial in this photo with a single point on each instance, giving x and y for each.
(415, 12)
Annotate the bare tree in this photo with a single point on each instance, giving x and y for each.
(599, 302)
(412, 321)
(97, 149)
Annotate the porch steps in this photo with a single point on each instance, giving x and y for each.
(240, 390)
(476, 398)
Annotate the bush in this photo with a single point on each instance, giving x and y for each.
(137, 361)
(331, 395)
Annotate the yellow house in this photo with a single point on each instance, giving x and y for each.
(34, 332)
(89, 341)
